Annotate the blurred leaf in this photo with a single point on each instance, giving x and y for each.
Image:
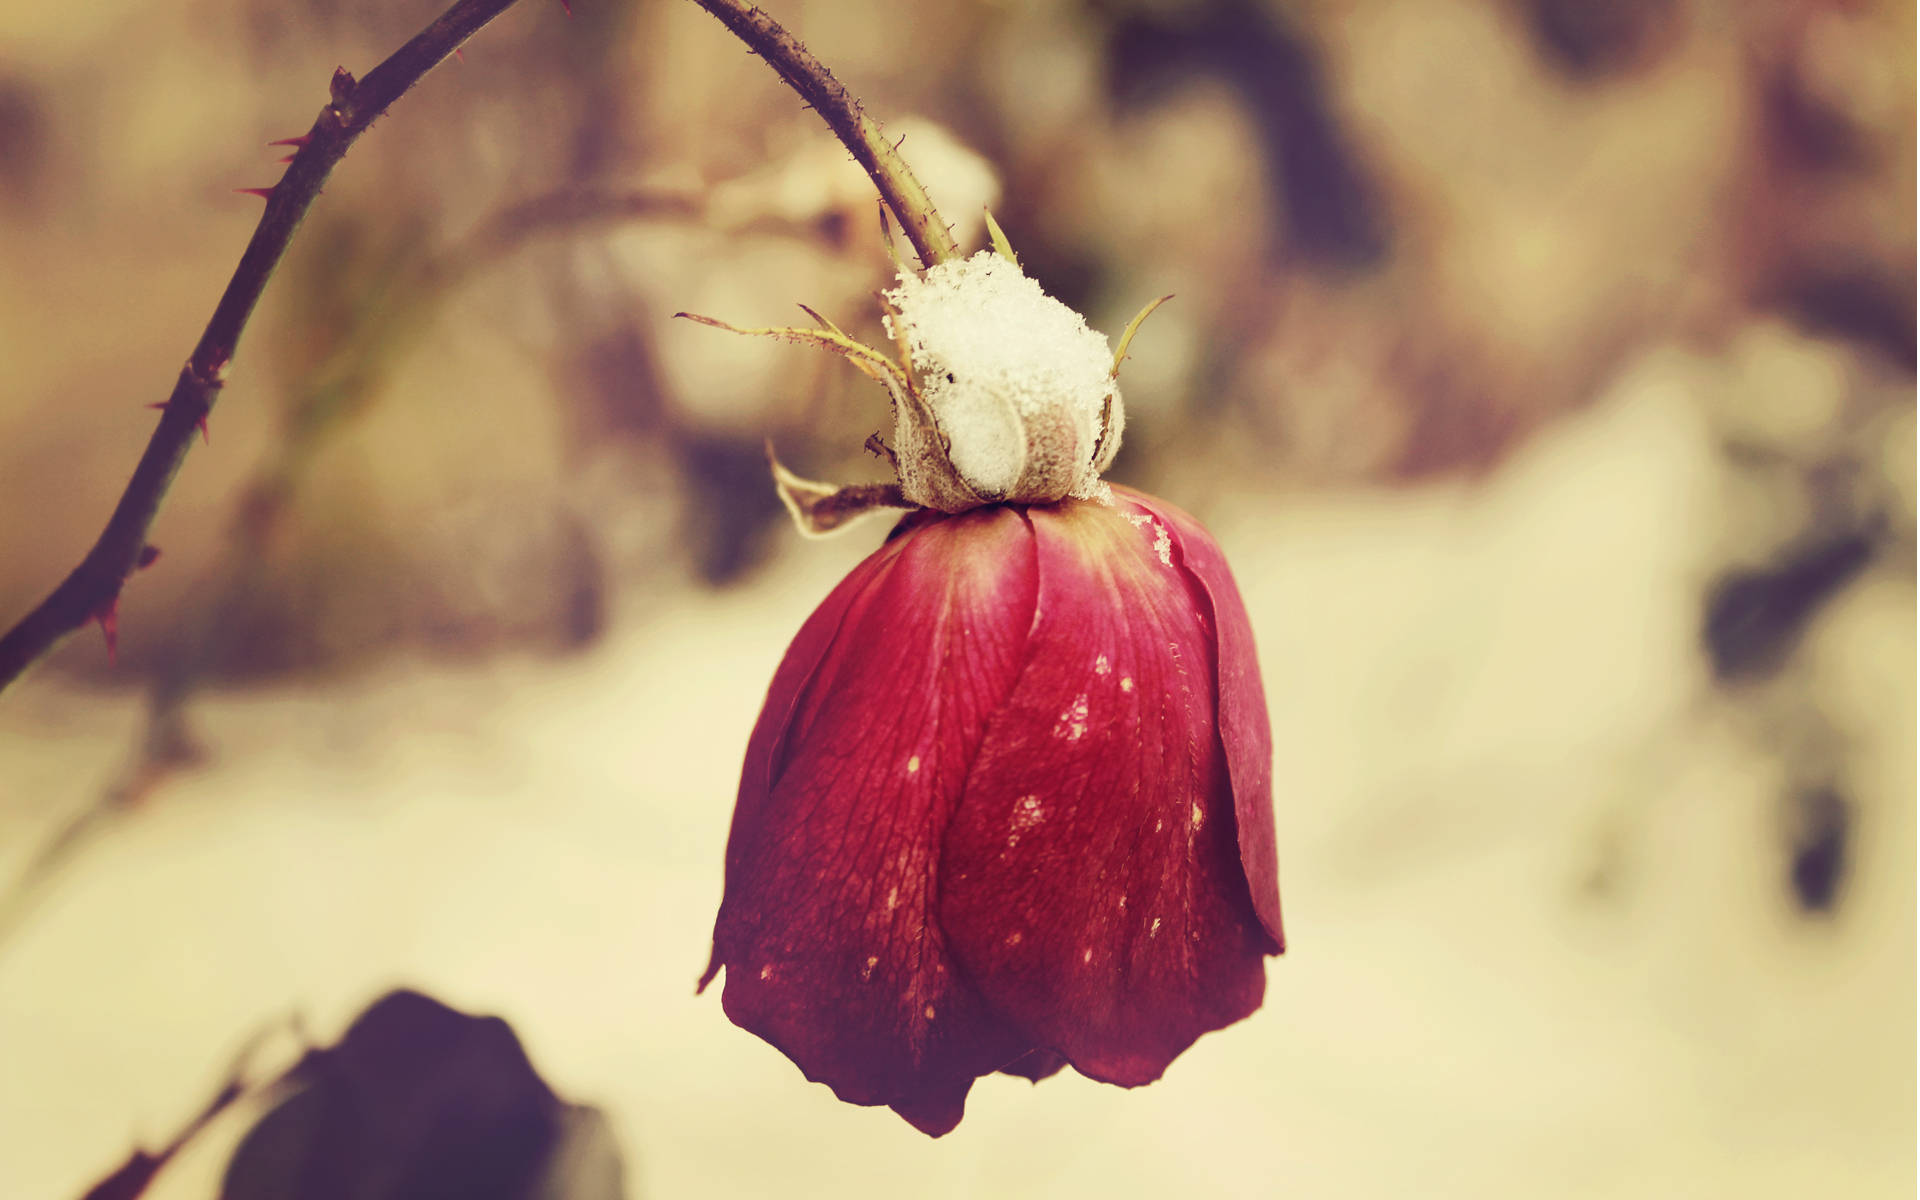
(1329, 204)
(1821, 826)
(1755, 618)
(421, 1101)
(1588, 40)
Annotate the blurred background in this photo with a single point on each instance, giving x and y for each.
(1545, 367)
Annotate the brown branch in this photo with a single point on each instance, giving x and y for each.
(334, 394)
(93, 587)
(131, 1179)
(843, 114)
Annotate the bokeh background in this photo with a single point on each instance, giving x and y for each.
(1545, 367)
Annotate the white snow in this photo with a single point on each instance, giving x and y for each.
(1016, 380)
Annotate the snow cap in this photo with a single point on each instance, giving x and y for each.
(1016, 398)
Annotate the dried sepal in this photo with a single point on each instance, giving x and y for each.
(819, 509)
(922, 450)
(1133, 327)
(860, 354)
(998, 236)
(824, 323)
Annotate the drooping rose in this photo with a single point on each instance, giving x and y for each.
(1007, 808)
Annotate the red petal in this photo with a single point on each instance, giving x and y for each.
(853, 772)
(1092, 886)
(1244, 728)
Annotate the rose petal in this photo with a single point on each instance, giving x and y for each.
(1244, 729)
(852, 773)
(1091, 881)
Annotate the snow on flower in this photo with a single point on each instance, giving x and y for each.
(1022, 391)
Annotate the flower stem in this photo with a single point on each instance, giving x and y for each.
(92, 587)
(856, 130)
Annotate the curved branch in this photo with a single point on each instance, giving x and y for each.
(93, 587)
(855, 129)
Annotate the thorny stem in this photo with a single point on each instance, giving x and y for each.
(856, 130)
(93, 586)
(336, 392)
(92, 589)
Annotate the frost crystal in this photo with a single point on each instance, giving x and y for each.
(1019, 396)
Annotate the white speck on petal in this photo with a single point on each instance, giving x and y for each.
(1126, 683)
(1073, 722)
(1028, 813)
(1102, 665)
(1163, 544)
(929, 1012)
(1123, 902)
(913, 764)
(1198, 816)
(766, 972)
(1153, 930)
(1086, 956)
(866, 972)
(893, 898)
(1015, 938)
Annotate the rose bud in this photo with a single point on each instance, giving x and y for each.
(1007, 806)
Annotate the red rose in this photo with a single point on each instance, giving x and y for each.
(1007, 808)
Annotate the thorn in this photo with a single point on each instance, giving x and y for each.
(302, 140)
(108, 615)
(568, 6)
(459, 57)
(287, 159)
(265, 193)
(202, 422)
(150, 553)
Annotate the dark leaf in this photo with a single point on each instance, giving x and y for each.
(1755, 618)
(419, 1101)
(1821, 822)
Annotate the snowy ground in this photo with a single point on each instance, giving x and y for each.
(1459, 1013)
